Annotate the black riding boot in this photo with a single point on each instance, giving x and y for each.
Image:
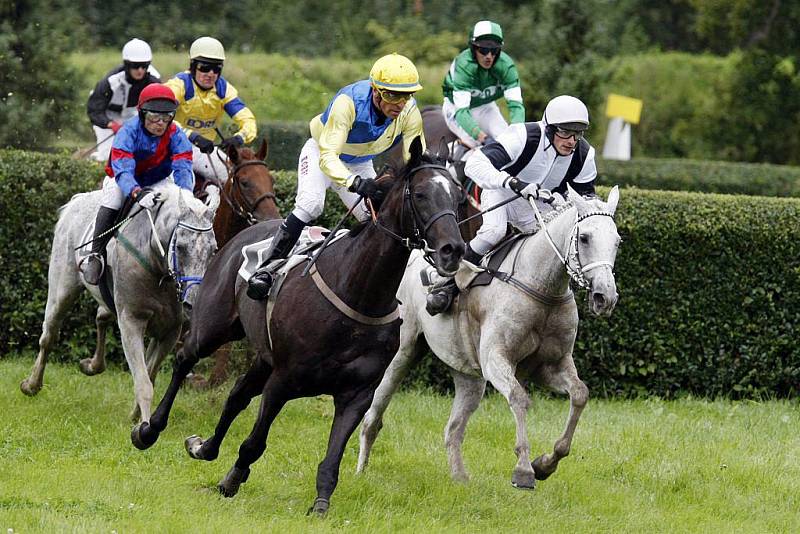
(93, 265)
(441, 295)
(288, 233)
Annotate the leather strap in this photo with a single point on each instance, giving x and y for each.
(340, 305)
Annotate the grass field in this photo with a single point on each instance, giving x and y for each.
(66, 464)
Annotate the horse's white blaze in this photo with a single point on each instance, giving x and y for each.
(445, 183)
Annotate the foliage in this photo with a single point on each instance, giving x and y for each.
(66, 464)
(705, 176)
(38, 95)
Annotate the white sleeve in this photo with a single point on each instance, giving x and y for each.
(589, 170)
(485, 171)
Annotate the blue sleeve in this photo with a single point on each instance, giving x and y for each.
(123, 163)
(182, 160)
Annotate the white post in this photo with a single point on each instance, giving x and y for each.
(618, 140)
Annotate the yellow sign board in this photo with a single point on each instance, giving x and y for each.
(624, 107)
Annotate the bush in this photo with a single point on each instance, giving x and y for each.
(704, 176)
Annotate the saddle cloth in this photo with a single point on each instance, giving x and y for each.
(255, 253)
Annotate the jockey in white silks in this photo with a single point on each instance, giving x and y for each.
(114, 98)
(146, 151)
(203, 96)
(478, 77)
(364, 119)
(547, 154)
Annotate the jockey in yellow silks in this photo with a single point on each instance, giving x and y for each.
(203, 95)
(364, 119)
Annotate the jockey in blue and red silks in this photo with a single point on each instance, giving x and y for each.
(146, 151)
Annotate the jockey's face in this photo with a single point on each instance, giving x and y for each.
(207, 74)
(391, 110)
(156, 124)
(486, 55)
(564, 147)
(137, 70)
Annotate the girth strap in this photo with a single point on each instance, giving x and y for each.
(340, 305)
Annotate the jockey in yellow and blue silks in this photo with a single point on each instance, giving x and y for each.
(147, 150)
(203, 96)
(364, 119)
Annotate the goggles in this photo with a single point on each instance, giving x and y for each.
(208, 67)
(133, 65)
(393, 97)
(565, 133)
(486, 50)
(156, 116)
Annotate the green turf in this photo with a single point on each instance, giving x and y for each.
(66, 464)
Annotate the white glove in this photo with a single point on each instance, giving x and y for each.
(147, 199)
(524, 189)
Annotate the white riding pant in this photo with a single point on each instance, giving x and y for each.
(105, 138)
(487, 116)
(312, 184)
(517, 212)
(210, 166)
(113, 197)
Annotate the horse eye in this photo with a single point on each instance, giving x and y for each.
(419, 196)
(584, 238)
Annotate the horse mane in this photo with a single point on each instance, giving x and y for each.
(169, 189)
(247, 153)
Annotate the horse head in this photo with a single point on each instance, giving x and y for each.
(185, 224)
(425, 197)
(595, 249)
(250, 188)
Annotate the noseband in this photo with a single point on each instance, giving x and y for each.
(174, 266)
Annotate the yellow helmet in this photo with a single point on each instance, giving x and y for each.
(395, 73)
(207, 48)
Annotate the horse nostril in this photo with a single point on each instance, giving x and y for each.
(599, 300)
(446, 250)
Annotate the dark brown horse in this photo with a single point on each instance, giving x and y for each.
(345, 346)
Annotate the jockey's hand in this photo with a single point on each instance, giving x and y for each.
(235, 140)
(206, 146)
(115, 126)
(366, 188)
(146, 198)
(523, 189)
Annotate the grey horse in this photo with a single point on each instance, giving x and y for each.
(156, 262)
(501, 331)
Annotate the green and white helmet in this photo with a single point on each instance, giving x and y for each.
(484, 31)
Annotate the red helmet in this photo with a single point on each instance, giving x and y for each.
(157, 97)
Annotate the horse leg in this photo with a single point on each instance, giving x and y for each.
(64, 286)
(395, 373)
(348, 413)
(253, 446)
(469, 392)
(157, 350)
(562, 378)
(132, 331)
(198, 343)
(97, 363)
(501, 374)
(249, 385)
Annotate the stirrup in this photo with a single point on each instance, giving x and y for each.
(86, 264)
(441, 297)
(260, 283)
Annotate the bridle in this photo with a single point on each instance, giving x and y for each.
(241, 206)
(419, 229)
(182, 282)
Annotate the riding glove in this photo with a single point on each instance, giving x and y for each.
(206, 146)
(146, 198)
(235, 140)
(115, 126)
(524, 189)
(365, 187)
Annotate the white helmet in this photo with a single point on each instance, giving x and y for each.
(207, 48)
(564, 110)
(137, 51)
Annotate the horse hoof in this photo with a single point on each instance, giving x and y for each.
(194, 446)
(143, 436)
(88, 370)
(522, 480)
(538, 469)
(319, 508)
(27, 387)
(229, 486)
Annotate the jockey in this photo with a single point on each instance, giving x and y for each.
(549, 154)
(114, 98)
(147, 150)
(478, 76)
(364, 119)
(203, 94)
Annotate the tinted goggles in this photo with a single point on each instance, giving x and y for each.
(209, 67)
(138, 64)
(564, 133)
(155, 116)
(486, 50)
(394, 97)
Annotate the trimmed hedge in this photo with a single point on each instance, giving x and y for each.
(286, 138)
(710, 300)
(703, 176)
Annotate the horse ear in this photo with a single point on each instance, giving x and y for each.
(233, 154)
(444, 151)
(613, 199)
(578, 200)
(212, 201)
(416, 152)
(263, 150)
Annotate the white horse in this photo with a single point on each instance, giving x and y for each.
(524, 327)
(156, 262)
